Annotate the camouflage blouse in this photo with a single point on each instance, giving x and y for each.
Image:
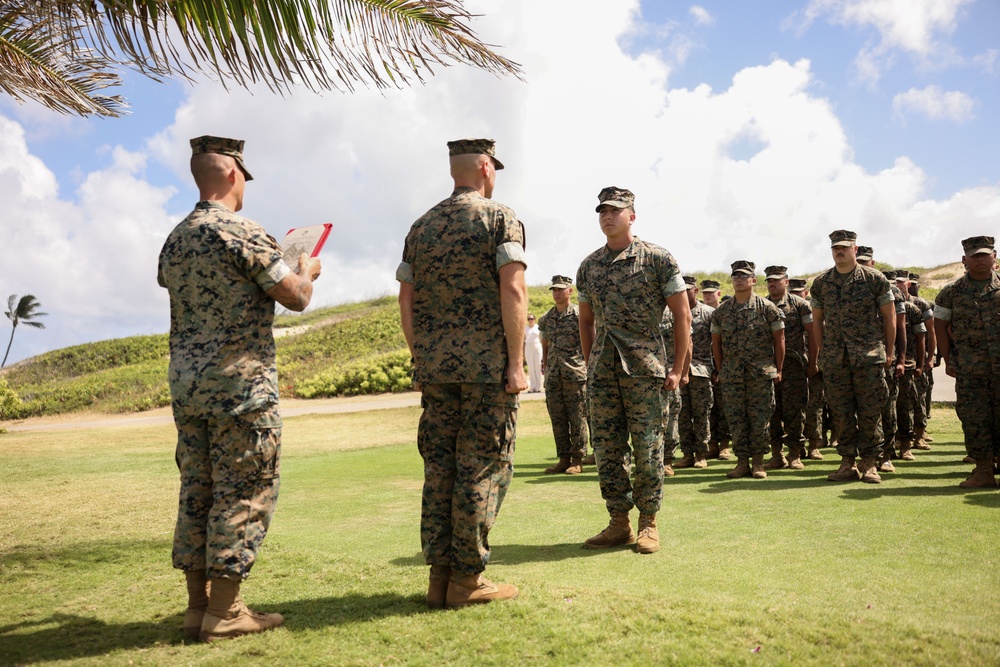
(974, 313)
(563, 356)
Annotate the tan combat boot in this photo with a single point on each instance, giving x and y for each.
(228, 617)
(699, 461)
(575, 466)
(687, 461)
(713, 449)
(982, 477)
(968, 459)
(649, 538)
(814, 452)
(197, 588)
(618, 532)
(668, 470)
(589, 460)
(919, 441)
(905, 453)
(558, 468)
(464, 590)
(757, 467)
(795, 453)
(885, 461)
(742, 468)
(777, 460)
(724, 452)
(847, 472)
(868, 468)
(437, 587)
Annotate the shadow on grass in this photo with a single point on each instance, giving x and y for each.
(507, 554)
(70, 636)
(872, 491)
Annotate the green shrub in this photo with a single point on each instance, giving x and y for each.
(378, 374)
(11, 406)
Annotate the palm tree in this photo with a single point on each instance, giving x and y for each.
(63, 52)
(24, 313)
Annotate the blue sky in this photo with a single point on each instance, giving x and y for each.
(747, 131)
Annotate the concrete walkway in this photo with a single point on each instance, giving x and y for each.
(289, 408)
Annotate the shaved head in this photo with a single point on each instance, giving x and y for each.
(464, 166)
(211, 170)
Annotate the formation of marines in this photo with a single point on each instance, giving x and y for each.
(639, 367)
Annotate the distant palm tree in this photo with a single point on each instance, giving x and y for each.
(62, 53)
(24, 313)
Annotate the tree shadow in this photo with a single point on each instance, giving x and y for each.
(873, 491)
(71, 636)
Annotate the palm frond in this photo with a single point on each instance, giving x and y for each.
(322, 45)
(38, 61)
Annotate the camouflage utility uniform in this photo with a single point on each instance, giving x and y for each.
(892, 383)
(909, 402)
(627, 291)
(852, 355)
(452, 256)
(217, 266)
(792, 393)
(973, 310)
(696, 395)
(748, 369)
(565, 381)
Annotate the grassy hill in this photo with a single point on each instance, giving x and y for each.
(349, 349)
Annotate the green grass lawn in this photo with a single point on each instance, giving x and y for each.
(789, 570)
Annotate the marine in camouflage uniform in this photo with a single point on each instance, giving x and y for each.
(718, 443)
(749, 347)
(817, 418)
(792, 393)
(909, 405)
(696, 395)
(967, 319)
(565, 378)
(672, 399)
(223, 274)
(624, 287)
(893, 377)
(923, 380)
(846, 302)
(461, 261)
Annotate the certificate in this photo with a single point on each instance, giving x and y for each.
(308, 240)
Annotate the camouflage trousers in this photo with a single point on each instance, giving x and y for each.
(978, 406)
(696, 414)
(749, 402)
(909, 405)
(671, 424)
(889, 409)
(229, 487)
(790, 398)
(719, 425)
(567, 405)
(921, 400)
(856, 396)
(930, 391)
(622, 407)
(466, 438)
(816, 420)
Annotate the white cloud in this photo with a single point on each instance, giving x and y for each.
(909, 26)
(701, 15)
(588, 116)
(934, 103)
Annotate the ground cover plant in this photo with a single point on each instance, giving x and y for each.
(788, 570)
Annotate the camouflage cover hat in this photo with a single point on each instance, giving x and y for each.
(689, 280)
(561, 282)
(914, 277)
(221, 146)
(776, 272)
(902, 275)
(796, 284)
(842, 237)
(616, 197)
(975, 245)
(865, 253)
(710, 285)
(475, 147)
(890, 274)
(743, 266)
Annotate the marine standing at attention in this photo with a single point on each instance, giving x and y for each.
(855, 345)
(565, 378)
(463, 306)
(624, 288)
(224, 273)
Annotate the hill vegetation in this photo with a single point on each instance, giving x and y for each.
(344, 350)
